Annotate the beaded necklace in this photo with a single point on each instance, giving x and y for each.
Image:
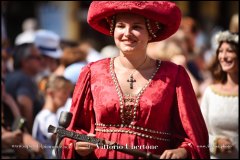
(130, 117)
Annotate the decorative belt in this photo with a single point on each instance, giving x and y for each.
(102, 128)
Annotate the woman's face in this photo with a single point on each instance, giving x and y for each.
(130, 33)
(227, 58)
(34, 61)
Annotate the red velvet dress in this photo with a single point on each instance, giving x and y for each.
(167, 117)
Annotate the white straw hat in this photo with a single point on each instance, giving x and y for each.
(48, 43)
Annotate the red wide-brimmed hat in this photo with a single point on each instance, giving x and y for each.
(162, 17)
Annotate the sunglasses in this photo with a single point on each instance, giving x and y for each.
(35, 57)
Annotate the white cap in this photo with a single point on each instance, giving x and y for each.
(48, 43)
(25, 37)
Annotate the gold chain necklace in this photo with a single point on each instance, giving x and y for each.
(130, 79)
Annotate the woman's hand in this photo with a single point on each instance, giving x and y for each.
(84, 148)
(224, 145)
(179, 153)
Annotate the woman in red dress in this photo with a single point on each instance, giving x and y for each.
(132, 99)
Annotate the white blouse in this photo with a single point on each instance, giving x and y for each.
(220, 113)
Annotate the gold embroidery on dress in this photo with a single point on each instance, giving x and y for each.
(137, 97)
(128, 108)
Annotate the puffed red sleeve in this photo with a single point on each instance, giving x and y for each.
(190, 131)
(82, 109)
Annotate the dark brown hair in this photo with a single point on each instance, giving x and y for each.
(218, 74)
(20, 53)
(72, 55)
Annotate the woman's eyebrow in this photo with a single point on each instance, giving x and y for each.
(135, 23)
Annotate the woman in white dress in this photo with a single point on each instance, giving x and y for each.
(219, 105)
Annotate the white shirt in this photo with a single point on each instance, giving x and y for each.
(40, 130)
(93, 56)
(220, 113)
